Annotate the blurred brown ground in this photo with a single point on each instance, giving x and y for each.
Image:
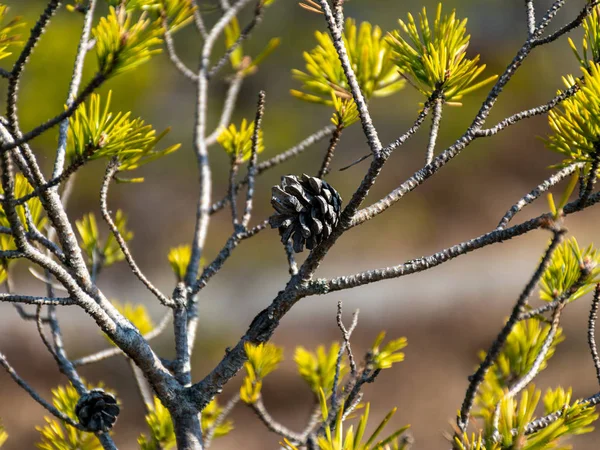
(448, 313)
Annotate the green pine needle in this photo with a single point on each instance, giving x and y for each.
(7, 37)
(590, 53)
(436, 59)
(237, 143)
(565, 268)
(370, 56)
(100, 254)
(262, 360)
(95, 132)
(123, 44)
(576, 122)
(384, 357)
(318, 368)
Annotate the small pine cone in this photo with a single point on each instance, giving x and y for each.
(97, 410)
(307, 210)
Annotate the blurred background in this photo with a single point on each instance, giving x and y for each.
(448, 314)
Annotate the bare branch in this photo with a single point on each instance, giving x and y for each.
(592, 331)
(535, 367)
(113, 351)
(260, 111)
(537, 111)
(346, 334)
(566, 28)
(201, 148)
(592, 176)
(361, 104)
(199, 21)
(333, 142)
(477, 378)
(82, 50)
(543, 422)
(142, 385)
(244, 34)
(182, 364)
(178, 63)
(435, 126)
(272, 425)
(230, 100)
(111, 170)
(50, 408)
(35, 300)
(535, 194)
(547, 18)
(208, 437)
(530, 10)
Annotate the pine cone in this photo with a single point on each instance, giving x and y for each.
(97, 410)
(308, 209)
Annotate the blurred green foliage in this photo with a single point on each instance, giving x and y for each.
(101, 255)
(179, 258)
(8, 38)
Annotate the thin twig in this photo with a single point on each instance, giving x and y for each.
(272, 425)
(50, 408)
(535, 194)
(210, 433)
(361, 105)
(114, 351)
(535, 367)
(111, 170)
(568, 27)
(178, 63)
(545, 421)
(35, 300)
(530, 11)
(592, 176)
(233, 170)
(477, 378)
(592, 331)
(537, 111)
(76, 77)
(244, 34)
(142, 385)
(260, 111)
(562, 298)
(199, 21)
(345, 347)
(228, 106)
(435, 126)
(333, 142)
